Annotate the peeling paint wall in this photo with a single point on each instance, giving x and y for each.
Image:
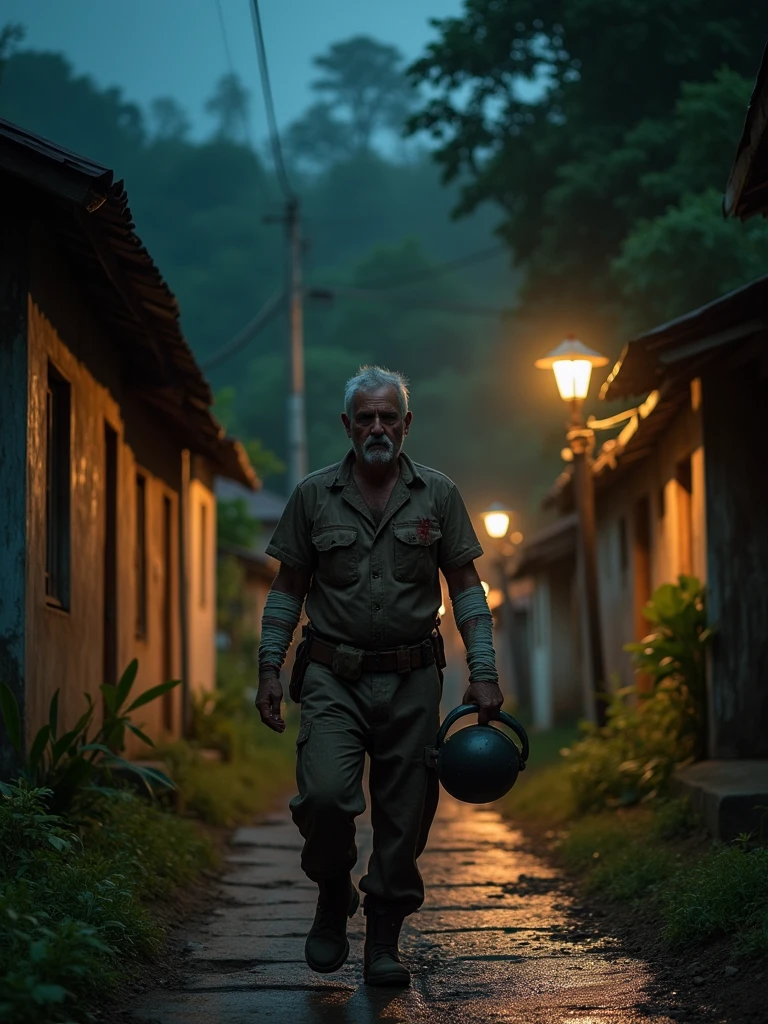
(66, 649)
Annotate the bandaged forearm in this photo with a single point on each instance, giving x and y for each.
(278, 624)
(475, 623)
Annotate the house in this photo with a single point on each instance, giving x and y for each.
(108, 450)
(682, 488)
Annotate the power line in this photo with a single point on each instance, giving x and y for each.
(243, 112)
(273, 305)
(232, 72)
(266, 88)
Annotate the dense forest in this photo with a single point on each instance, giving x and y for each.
(561, 172)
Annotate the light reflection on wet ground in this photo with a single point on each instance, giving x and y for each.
(493, 943)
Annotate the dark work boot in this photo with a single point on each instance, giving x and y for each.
(381, 962)
(327, 946)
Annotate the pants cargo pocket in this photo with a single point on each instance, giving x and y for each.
(304, 730)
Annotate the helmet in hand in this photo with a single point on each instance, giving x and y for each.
(480, 763)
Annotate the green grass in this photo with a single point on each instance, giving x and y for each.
(73, 914)
(542, 791)
(725, 893)
(225, 793)
(653, 854)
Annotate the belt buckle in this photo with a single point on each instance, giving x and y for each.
(403, 660)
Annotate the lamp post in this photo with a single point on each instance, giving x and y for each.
(572, 364)
(496, 520)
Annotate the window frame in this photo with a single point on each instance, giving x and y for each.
(58, 489)
(141, 554)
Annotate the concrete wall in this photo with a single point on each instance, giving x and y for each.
(66, 648)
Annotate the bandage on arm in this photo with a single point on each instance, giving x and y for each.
(278, 623)
(475, 623)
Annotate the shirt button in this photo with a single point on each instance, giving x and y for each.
(375, 607)
(376, 575)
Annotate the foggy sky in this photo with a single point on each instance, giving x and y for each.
(175, 47)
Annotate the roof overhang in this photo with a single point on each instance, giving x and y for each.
(746, 193)
(685, 344)
(88, 215)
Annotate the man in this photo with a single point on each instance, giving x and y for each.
(364, 542)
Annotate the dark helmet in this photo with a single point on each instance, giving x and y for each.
(479, 764)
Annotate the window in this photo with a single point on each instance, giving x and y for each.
(203, 554)
(141, 556)
(58, 404)
(684, 477)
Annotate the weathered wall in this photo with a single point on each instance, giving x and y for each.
(65, 649)
(672, 550)
(737, 551)
(201, 544)
(13, 460)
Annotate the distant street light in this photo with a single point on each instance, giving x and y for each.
(572, 363)
(496, 520)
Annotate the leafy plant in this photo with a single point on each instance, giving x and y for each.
(673, 655)
(26, 829)
(68, 762)
(632, 757)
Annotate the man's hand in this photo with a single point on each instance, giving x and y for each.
(268, 699)
(488, 698)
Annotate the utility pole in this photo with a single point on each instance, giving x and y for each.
(297, 429)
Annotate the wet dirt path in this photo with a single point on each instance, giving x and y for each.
(496, 942)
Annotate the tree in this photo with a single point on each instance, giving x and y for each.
(229, 106)
(318, 139)
(10, 36)
(363, 90)
(689, 255)
(562, 111)
(170, 119)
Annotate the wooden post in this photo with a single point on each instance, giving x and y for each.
(585, 504)
(733, 411)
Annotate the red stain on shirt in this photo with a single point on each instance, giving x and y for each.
(424, 531)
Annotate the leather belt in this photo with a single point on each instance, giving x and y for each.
(401, 659)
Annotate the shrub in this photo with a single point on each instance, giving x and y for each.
(673, 655)
(71, 917)
(66, 764)
(632, 757)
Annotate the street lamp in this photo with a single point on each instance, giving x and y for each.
(496, 520)
(572, 363)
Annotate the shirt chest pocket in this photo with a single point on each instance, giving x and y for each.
(416, 548)
(338, 559)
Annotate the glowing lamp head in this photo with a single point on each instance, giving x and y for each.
(496, 519)
(572, 364)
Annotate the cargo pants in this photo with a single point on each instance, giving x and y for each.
(393, 718)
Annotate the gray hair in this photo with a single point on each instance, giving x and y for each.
(370, 378)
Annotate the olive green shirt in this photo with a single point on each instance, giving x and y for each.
(374, 586)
